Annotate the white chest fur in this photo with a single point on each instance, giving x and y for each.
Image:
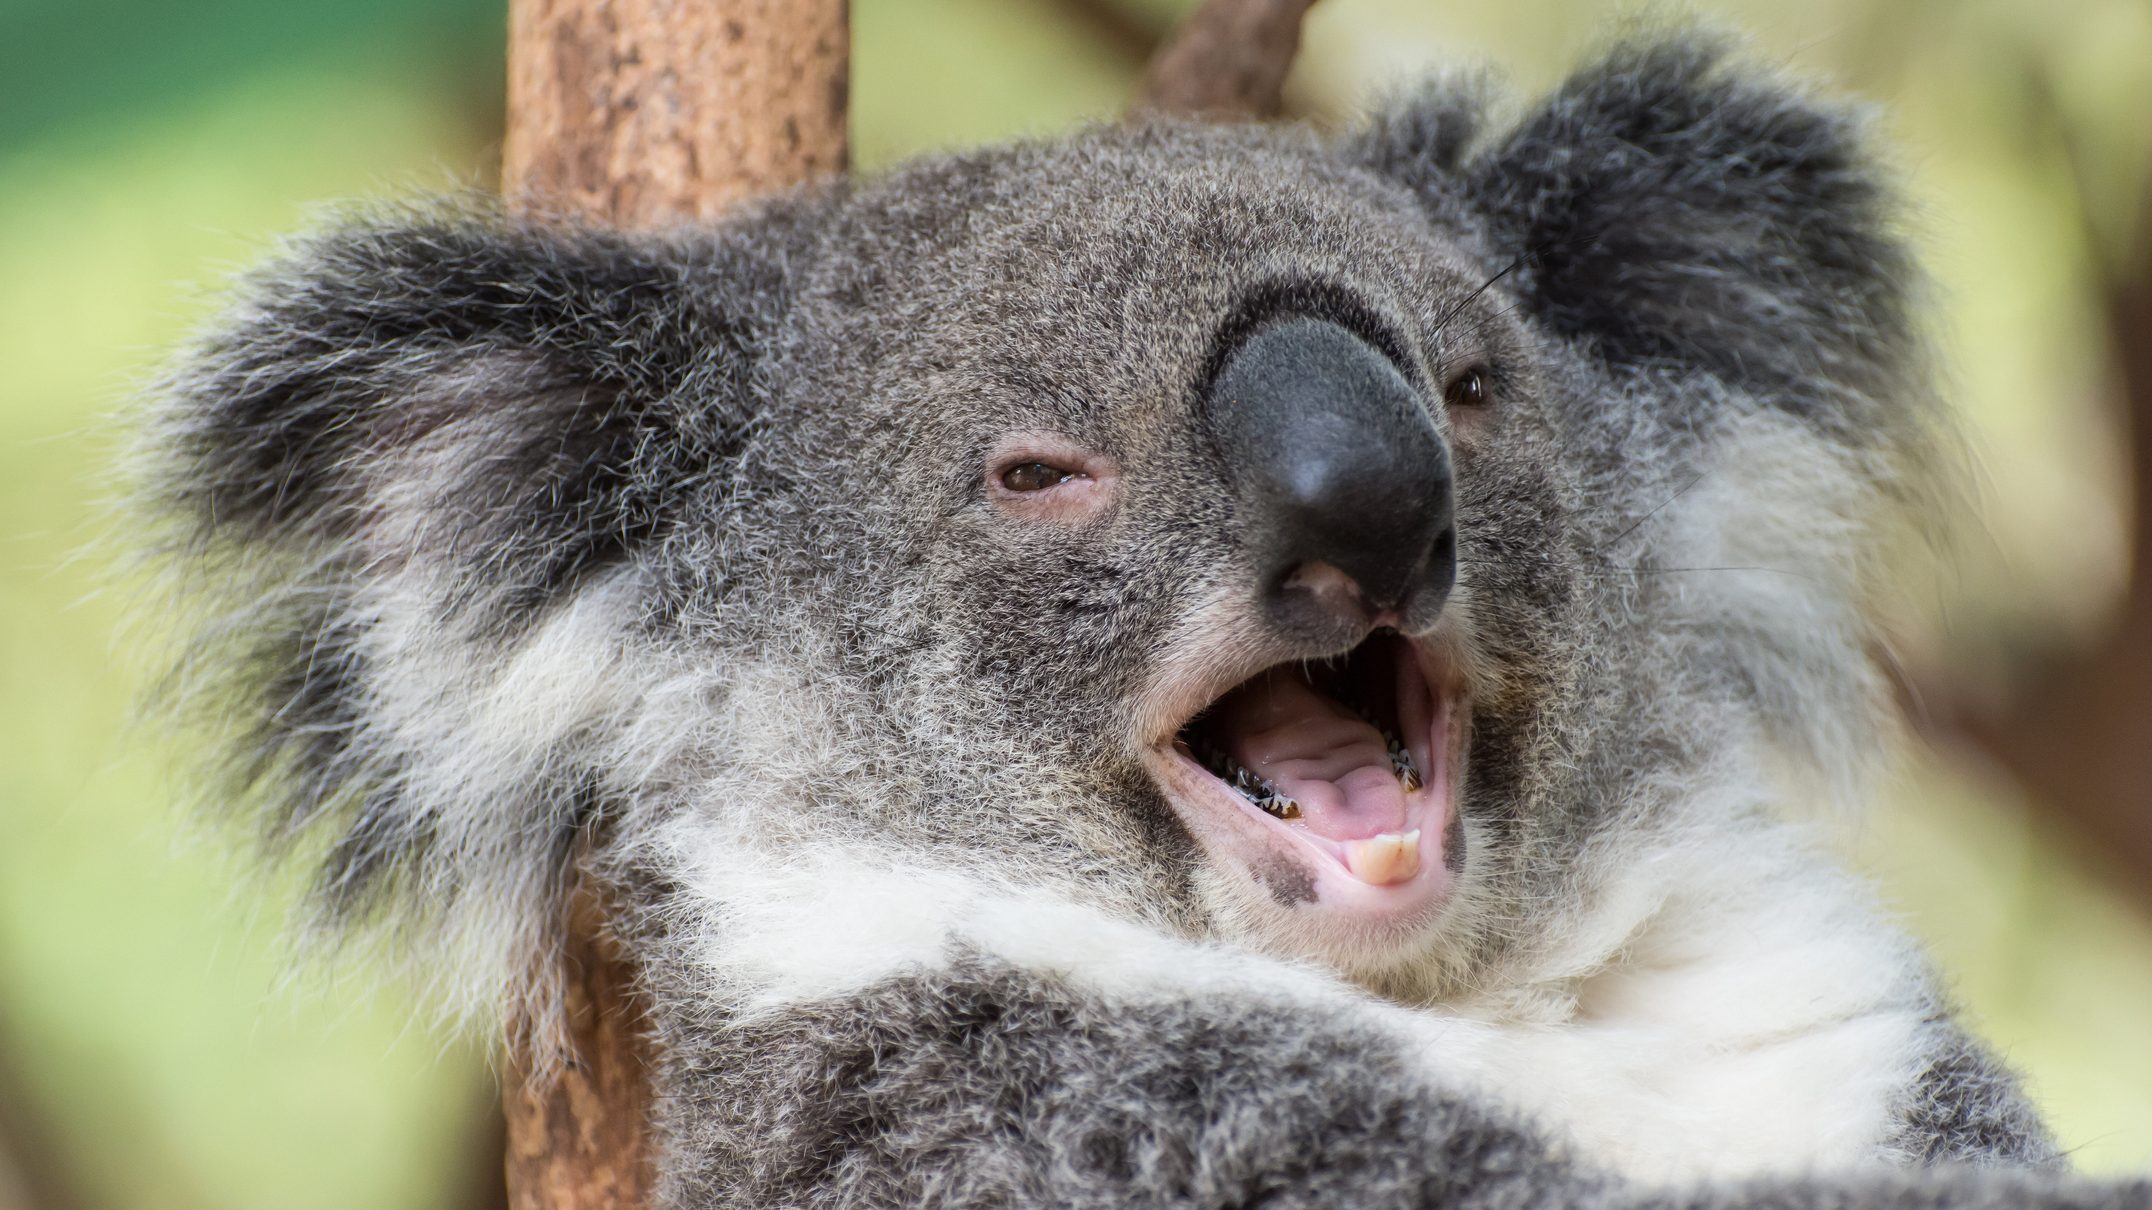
(1759, 1018)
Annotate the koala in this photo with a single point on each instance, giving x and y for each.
(1171, 665)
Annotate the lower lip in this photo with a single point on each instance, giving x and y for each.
(1332, 889)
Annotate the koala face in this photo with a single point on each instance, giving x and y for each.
(1280, 539)
(1200, 439)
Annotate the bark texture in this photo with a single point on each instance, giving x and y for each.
(643, 114)
(646, 113)
(579, 1139)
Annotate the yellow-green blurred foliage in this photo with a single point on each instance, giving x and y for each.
(166, 1053)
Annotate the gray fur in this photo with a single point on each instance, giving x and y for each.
(669, 556)
(1965, 1107)
(1202, 1105)
(871, 1103)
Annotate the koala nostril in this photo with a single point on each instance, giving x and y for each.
(1342, 482)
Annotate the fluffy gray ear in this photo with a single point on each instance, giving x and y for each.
(507, 404)
(417, 471)
(1669, 206)
(1724, 245)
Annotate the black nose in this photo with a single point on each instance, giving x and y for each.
(1342, 483)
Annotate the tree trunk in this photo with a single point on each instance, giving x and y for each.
(647, 113)
(642, 114)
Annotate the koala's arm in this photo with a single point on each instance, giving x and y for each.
(1966, 1107)
(984, 1085)
(980, 1084)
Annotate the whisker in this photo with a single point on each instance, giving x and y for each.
(1616, 540)
(1480, 289)
(1526, 257)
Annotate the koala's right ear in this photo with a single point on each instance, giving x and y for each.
(506, 405)
(414, 475)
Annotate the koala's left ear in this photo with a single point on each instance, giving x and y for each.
(1668, 206)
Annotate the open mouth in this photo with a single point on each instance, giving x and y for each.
(1330, 781)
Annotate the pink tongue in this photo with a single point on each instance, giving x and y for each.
(1315, 752)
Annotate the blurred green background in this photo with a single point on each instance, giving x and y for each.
(157, 1049)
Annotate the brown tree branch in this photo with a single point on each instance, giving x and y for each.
(2076, 732)
(2078, 735)
(34, 1168)
(1228, 60)
(642, 114)
(1131, 37)
(580, 1139)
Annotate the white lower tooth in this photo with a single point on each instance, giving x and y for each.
(1384, 860)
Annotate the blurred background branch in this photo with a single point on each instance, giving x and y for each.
(1133, 35)
(2072, 722)
(1229, 59)
(34, 1167)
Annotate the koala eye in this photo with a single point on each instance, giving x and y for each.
(1467, 390)
(1034, 477)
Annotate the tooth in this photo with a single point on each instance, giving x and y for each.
(1384, 860)
(1402, 764)
(1248, 783)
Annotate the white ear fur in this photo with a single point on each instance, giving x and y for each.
(1771, 557)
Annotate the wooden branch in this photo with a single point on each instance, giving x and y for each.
(2078, 735)
(645, 113)
(2076, 732)
(642, 114)
(579, 1139)
(1229, 59)
(1133, 37)
(34, 1167)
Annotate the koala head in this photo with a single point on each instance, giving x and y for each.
(1286, 539)
(1196, 438)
